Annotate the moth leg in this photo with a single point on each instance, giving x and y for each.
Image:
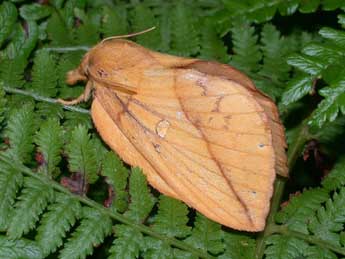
(84, 97)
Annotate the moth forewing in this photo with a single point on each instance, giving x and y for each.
(200, 130)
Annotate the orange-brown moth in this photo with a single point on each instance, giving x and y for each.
(200, 130)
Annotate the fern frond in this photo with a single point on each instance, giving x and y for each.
(238, 246)
(59, 219)
(20, 130)
(116, 177)
(212, 47)
(274, 53)
(12, 71)
(3, 102)
(49, 140)
(49, 110)
(19, 248)
(10, 182)
(301, 208)
(185, 40)
(283, 247)
(34, 12)
(247, 54)
(207, 235)
(8, 17)
(31, 40)
(114, 21)
(158, 249)
(87, 33)
(33, 200)
(164, 26)
(82, 155)
(336, 178)
(297, 88)
(330, 219)
(171, 219)
(317, 252)
(143, 18)
(44, 74)
(142, 200)
(310, 65)
(127, 244)
(94, 227)
(329, 108)
(57, 31)
(74, 119)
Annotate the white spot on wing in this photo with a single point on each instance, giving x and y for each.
(162, 128)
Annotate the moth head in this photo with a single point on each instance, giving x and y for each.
(79, 74)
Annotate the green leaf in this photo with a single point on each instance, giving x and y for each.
(55, 224)
(207, 235)
(212, 46)
(185, 37)
(301, 208)
(127, 244)
(317, 252)
(336, 178)
(82, 155)
(20, 130)
(91, 232)
(3, 104)
(8, 17)
(33, 200)
(326, 52)
(336, 36)
(19, 249)
(57, 31)
(114, 21)
(171, 219)
(247, 54)
(309, 6)
(274, 54)
(116, 176)
(309, 65)
(10, 182)
(49, 140)
(238, 246)
(44, 74)
(330, 107)
(330, 219)
(142, 19)
(284, 247)
(141, 199)
(158, 249)
(34, 11)
(12, 72)
(297, 88)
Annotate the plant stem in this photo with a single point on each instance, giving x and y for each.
(44, 99)
(114, 215)
(68, 49)
(293, 154)
(279, 185)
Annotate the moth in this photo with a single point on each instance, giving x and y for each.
(200, 130)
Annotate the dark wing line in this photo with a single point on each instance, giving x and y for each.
(214, 158)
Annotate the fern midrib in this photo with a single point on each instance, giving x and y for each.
(120, 218)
